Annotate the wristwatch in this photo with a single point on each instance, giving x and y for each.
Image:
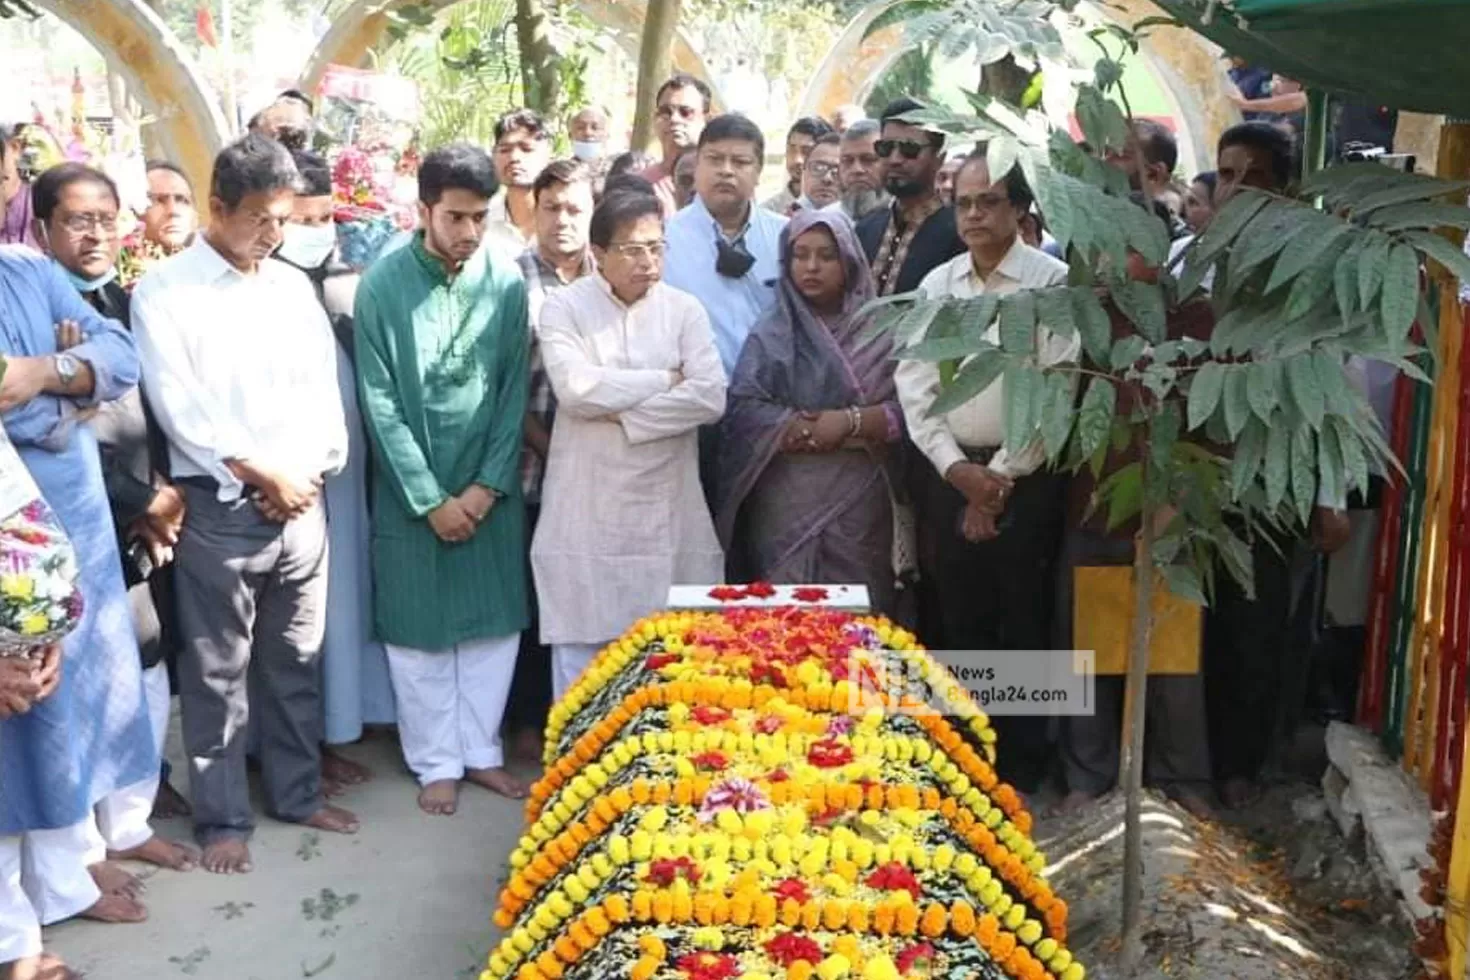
(67, 367)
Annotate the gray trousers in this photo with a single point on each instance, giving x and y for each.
(251, 598)
(1177, 748)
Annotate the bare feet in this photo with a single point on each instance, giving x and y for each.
(116, 908)
(337, 768)
(227, 856)
(527, 744)
(43, 967)
(164, 853)
(1072, 802)
(440, 798)
(498, 781)
(169, 802)
(112, 880)
(1239, 792)
(332, 819)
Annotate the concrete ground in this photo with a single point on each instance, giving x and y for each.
(409, 896)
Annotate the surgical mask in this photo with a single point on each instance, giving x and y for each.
(732, 260)
(85, 285)
(587, 149)
(308, 246)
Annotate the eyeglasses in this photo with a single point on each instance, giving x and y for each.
(638, 250)
(682, 111)
(909, 148)
(80, 224)
(822, 171)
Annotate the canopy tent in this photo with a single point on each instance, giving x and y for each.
(1409, 54)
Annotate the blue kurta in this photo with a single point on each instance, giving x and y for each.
(93, 734)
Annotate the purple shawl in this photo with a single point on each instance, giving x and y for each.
(793, 361)
(16, 224)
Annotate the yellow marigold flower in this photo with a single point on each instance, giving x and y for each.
(1015, 916)
(574, 888)
(1046, 949)
(833, 967)
(1060, 962)
(729, 821)
(880, 967)
(35, 624)
(709, 937)
(17, 586)
(641, 846)
(644, 969)
(1074, 972)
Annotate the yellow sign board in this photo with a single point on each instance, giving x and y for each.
(1102, 621)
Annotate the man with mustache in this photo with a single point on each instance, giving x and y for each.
(906, 241)
(800, 139)
(522, 151)
(860, 171)
(171, 218)
(442, 352)
(683, 109)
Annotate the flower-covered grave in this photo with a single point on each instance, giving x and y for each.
(738, 794)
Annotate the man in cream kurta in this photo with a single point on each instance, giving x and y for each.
(623, 516)
(989, 521)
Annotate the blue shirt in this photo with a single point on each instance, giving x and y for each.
(733, 305)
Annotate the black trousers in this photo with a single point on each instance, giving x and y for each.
(1246, 646)
(530, 686)
(993, 595)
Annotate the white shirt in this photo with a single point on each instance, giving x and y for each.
(623, 516)
(502, 237)
(980, 422)
(238, 367)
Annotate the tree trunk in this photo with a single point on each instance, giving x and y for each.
(655, 58)
(1005, 80)
(539, 78)
(1135, 699)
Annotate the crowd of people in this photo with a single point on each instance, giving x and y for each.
(426, 495)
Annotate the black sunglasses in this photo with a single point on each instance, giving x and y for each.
(909, 148)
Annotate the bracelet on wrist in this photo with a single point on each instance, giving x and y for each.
(855, 421)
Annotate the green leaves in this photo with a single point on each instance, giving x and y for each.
(973, 377)
(1143, 304)
(1024, 387)
(1057, 413)
(1261, 388)
(1435, 247)
(1400, 290)
(1205, 391)
(1095, 416)
(1092, 323)
(1306, 389)
(1018, 323)
(1103, 123)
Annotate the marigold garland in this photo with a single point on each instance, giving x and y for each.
(739, 796)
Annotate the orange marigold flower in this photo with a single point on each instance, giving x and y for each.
(617, 908)
(549, 965)
(876, 797)
(986, 929)
(800, 970)
(834, 914)
(662, 792)
(566, 949)
(765, 911)
(857, 917)
(641, 791)
(621, 799)
(683, 792)
(683, 907)
(643, 905)
(883, 919)
(811, 916)
(644, 969)
(934, 920)
(722, 910)
(790, 913)
(906, 920)
(1004, 944)
(962, 918)
(704, 908)
(503, 919)
(597, 922)
(663, 908)
(652, 946)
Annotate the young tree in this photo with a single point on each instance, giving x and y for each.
(1236, 428)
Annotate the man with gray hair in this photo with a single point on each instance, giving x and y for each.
(240, 367)
(859, 171)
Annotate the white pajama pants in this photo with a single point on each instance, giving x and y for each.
(450, 704)
(568, 660)
(123, 815)
(20, 930)
(54, 872)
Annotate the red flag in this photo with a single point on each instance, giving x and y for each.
(204, 26)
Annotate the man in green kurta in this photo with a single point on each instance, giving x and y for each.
(442, 369)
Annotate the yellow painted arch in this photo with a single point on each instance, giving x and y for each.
(360, 28)
(159, 72)
(1188, 68)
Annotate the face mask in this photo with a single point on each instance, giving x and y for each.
(586, 149)
(85, 285)
(732, 261)
(308, 246)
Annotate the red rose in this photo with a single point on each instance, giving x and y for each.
(710, 761)
(760, 590)
(727, 593)
(768, 724)
(829, 754)
(894, 877)
(809, 594)
(792, 888)
(917, 955)
(708, 715)
(709, 966)
(657, 661)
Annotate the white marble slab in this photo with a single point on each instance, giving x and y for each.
(846, 598)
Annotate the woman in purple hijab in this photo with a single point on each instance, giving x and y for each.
(813, 425)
